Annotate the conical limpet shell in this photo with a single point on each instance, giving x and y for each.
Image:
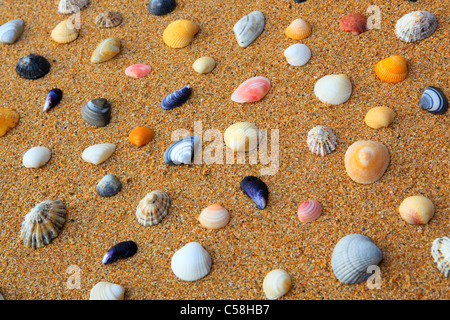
(98, 153)
(192, 262)
(138, 70)
(416, 210)
(64, 32)
(415, 26)
(107, 291)
(106, 50)
(108, 19)
(36, 157)
(214, 217)
(256, 190)
(161, 7)
(9, 118)
(180, 33)
(309, 210)
(249, 28)
(379, 117)
(96, 112)
(121, 250)
(297, 54)
(71, 6)
(54, 96)
(298, 29)
(242, 136)
(153, 208)
(276, 284)
(251, 90)
(440, 251)
(321, 140)
(176, 98)
(392, 69)
(204, 65)
(32, 66)
(182, 151)
(11, 31)
(433, 100)
(333, 89)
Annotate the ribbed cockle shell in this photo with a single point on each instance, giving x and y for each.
(180, 33)
(392, 69)
(298, 29)
(214, 217)
(192, 262)
(309, 210)
(65, 32)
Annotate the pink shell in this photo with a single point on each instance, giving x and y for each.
(309, 210)
(138, 70)
(253, 89)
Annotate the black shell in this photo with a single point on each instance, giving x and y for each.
(96, 112)
(161, 7)
(176, 98)
(256, 190)
(32, 66)
(54, 96)
(122, 250)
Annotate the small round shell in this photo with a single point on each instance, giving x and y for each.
(214, 217)
(333, 89)
(192, 262)
(108, 19)
(106, 50)
(297, 54)
(204, 65)
(36, 157)
(379, 117)
(309, 210)
(298, 29)
(107, 291)
(180, 33)
(416, 210)
(98, 153)
(242, 136)
(276, 284)
(440, 251)
(108, 186)
(96, 112)
(152, 209)
(321, 140)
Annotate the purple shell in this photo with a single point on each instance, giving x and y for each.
(54, 96)
(256, 190)
(177, 98)
(122, 250)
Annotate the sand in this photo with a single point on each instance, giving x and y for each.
(255, 241)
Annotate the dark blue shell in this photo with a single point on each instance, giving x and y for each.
(122, 250)
(54, 96)
(177, 98)
(433, 100)
(161, 7)
(182, 151)
(256, 190)
(108, 186)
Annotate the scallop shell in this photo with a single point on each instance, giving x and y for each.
(108, 186)
(214, 217)
(309, 210)
(182, 151)
(96, 112)
(176, 98)
(366, 161)
(108, 19)
(416, 26)
(121, 250)
(107, 291)
(32, 66)
(54, 96)
(180, 33)
(392, 69)
(433, 100)
(36, 157)
(249, 28)
(352, 256)
(71, 6)
(8, 120)
(251, 90)
(98, 153)
(379, 117)
(298, 54)
(192, 262)
(416, 210)
(43, 223)
(141, 135)
(64, 32)
(256, 190)
(333, 89)
(204, 65)
(161, 7)
(276, 284)
(138, 70)
(106, 50)
(321, 140)
(11, 31)
(440, 251)
(354, 23)
(298, 29)
(242, 136)
(152, 209)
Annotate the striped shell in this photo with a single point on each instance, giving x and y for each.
(392, 69)
(276, 284)
(138, 70)
(108, 19)
(176, 98)
(36, 157)
(321, 140)
(71, 6)
(9, 118)
(309, 210)
(64, 32)
(440, 251)
(182, 151)
(433, 100)
(192, 262)
(141, 135)
(298, 29)
(416, 210)
(242, 136)
(106, 50)
(96, 112)
(251, 90)
(11, 31)
(214, 217)
(298, 54)
(180, 33)
(152, 209)
(106, 291)
(98, 153)
(333, 89)
(379, 117)
(249, 28)
(416, 26)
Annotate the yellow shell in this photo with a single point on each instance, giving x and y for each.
(204, 65)
(180, 33)
(242, 136)
(379, 117)
(298, 29)
(214, 217)
(416, 210)
(64, 32)
(276, 284)
(8, 120)
(106, 50)
(392, 69)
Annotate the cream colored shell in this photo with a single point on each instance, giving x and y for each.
(214, 217)
(106, 50)
(204, 65)
(416, 210)
(65, 32)
(379, 117)
(242, 136)
(153, 208)
(276, 284)
(98, 153)
(107, 291)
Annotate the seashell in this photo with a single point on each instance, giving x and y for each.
(298, 29)
(192, 262)
(72, 6)
(161, 7)
(309, 210)
(392, 69)
(416, 26)
(354, 23)
(276, 284)
(8, 120)
(321, 140)
(43, 223)
(1, 297)
(297, 55)
(440, 251)
(180, 33)
(366, 161)
(256, 190)
(416, 210)
(249, 28)
(352, 256)
(242, 136)
(107, 291)
(251, 90)
(108, 186)
(204, 65)
(36, 157)
(138, 70)
(141, 135)
(96, 112)
(98, 153)
(106, 50)
(379, 117)
(64, 32)
(122, 250)
(176, 98)
(433, 100)
(54, 96)
(183, 151)
(32, 66)
(153, 208)
(11, 31)
(214, 217)
(333, 89)
(108, 19)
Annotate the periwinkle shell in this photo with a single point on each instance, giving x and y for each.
(176, 98)
(32, 66)
(161, 7)
(96, 112)
(108, 186)
(256, 190)
(122, 250)
(182, 151)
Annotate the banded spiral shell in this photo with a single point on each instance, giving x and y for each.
(36, 157)
(98, 153)
(32, 66)
(333, 89)
(298, 29)
(11, 31)
(433, 100)
(182, 151)
(107, 291)
(214, 217)
(440, 251)
(96, 112)
(276, 284)
(72, 6)
(192, 262)
(106, 50)
(309, 210)
(416, 210)
(242, 136)
(297, 54)
(180, 33)
(153, 208)
(416, 26)
(65, 32)
(251, 90)
(321, 140)
(248, 28)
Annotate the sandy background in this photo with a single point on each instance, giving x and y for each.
(255, 241)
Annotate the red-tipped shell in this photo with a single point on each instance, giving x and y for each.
(309, 210)
(253, 89)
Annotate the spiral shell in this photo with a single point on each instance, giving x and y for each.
(379, 117)
(333, 89)
(321, 140)
(416, 26)
(11, 31)
(309, 210)
(298, 54)
(64, 32)
(98, 153)
(416, 210)
(392, 69)
(248, 28)
(242, 136)
(106, 50)
(440, 251)
(214, 217)
(96, 112)
(107, 291)
(36, 157)
(192, 262)
(8, 119)
(276, 284)
(152, 209)
(298, 29)
(180, 33)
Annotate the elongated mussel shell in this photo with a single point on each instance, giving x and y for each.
(182, 151)
(433, 100)
(256, 190)
(107, 291)
(416, 26)
(276, 284)
(54, 96)
(122, 250)
(249, 28)
(440, 251)
(161, 7)
(153, 208)
(106, 50)
(192, 262)
(176, 98)
(11, 31)
(32, 66)
(96, 112)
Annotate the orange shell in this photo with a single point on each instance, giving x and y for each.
(298, 29)
(141, 135)
(392, 69)
(180, 33)
(8, 120)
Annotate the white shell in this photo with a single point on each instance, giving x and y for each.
(71, 6)
(36, 157)
(249, 28)
(242, 136)
(321, 140)
(11, 31)
(98, 153)
(192, 262)
(415, 26)
(441, 254)
(298, 54)
(106, 291)
(333, 89)
(276, 284)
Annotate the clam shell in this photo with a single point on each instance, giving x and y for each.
(351, 257)
(416, 210)
(214, 217)
(354, 23)
(96, 112)
(153, 208)
(276, 284)
(36, 157)
(192, 262)
(43, 223)
(32, 66)
(71, 6)
(182, 152)
(64, 32)
(392, 69)
(11, 31)
(161, 7)
(180, 33)
(176, 98)
(251, 90)
(54, 96)
(256, 190)
(141, 135)
(8, 120)
(298, 29)
(107, 291)
(309, 210)
(440, 251)
(108, 19)
(138, 70)
(379, 117)
(106, 50)
(298, 54)
(121, 250)
(416, 26)
(98, 153)
(366, 161)
(333, 89)
(321, 140)
(433, 100)
(248, 28)
(242, 136)
(108, 186)
(204, 65)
